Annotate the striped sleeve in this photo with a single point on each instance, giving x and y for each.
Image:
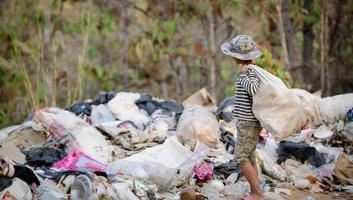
(250, 81)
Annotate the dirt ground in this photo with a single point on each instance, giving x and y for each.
(301, 194)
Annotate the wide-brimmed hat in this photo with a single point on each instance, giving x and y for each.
(241, 47)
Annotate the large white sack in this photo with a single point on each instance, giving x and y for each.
(197, 124)
(335, 107)
(279, 110)
(309, 104)
(75, 133)
(328, 109)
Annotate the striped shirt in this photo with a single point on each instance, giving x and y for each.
(247, 85)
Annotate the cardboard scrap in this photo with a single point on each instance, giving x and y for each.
(202, 98)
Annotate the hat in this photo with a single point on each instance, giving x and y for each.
(241, 47)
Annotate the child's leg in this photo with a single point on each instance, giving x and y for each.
(248, 133)
(250, 173)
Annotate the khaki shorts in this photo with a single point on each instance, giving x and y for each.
(247, 138)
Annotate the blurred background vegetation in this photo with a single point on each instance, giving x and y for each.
(56, 52)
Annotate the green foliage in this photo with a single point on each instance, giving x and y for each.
(15, 80)
(108, 23)
(39, 16)
(273, 66)
(229, 90)
(155, 30)
(206, 6)
(225, 69)
(72, 27)
(41, 93)
(170, 28)
(100, 72)
(2, 72)
(170, 50)
(93, 52)
(3, 117)
(11, 86)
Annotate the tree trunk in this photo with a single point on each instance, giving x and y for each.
(286, 31)
(308, 47)
(123, 41)
(47, 57)
(212, 64)
(183, 77)
(337, 42)
(325, 76)
(164, 89)
(271, 35)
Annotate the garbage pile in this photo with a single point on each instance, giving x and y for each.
(131, 146)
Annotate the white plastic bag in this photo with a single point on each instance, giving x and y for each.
(124, 108)
(270, 166)
(123, 191)
(296, 170)
(101, 114)
(19, 189)
(270, 147)
(197, 124)
(335, 107)
(75, 133)
(163, 165)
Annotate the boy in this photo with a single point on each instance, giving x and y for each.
(244, 50)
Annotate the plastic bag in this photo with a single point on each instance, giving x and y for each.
(77, 160)
(160, 164)
(123, 191)
(197, 124)
(81, 188)
(101, 114)
(237, 190)
(269, 166)
(348, 131)
(49, 190)
(225, 109)
(43, 156)
(335, 107)
(75, 134)
(331, 153)
(297, 170)
(300, 151)
(270, 147)
(325, 170)
(279, 110)
(344, 169)
(124, 107)
(18, 190)
(26, 135)
(160, 124)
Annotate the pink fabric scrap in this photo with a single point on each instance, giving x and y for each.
(203, 172)
(77, 160)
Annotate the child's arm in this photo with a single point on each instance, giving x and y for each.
(250, 81)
